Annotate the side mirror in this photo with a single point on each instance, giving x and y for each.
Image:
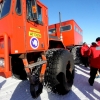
(34, 10)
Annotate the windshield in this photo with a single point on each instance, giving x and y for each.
(5, 8)
(52, 31)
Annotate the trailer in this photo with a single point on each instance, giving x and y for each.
(71, 35)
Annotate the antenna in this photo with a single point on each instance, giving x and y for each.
(61, 37)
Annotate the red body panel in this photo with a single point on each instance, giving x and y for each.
(42, 31)
(18, 27)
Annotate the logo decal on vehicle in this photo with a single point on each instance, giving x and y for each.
(34, 42)
(35, 33)
(34, 29)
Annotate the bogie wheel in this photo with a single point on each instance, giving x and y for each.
(60, 71)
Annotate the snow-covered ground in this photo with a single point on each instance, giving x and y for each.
(12, 89)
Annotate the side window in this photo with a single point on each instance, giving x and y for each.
(18, 6)
(5, 8)
(39, 13)
(77, 30)
(74, 27)
(52, 30)
(66, 28)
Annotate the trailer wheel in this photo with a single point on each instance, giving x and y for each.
(76, 54)
(60, 71)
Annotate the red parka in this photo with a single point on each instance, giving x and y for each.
(84, 50)
(94, 54)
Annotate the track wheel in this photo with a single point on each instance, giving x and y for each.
(35, 86)
(60, 71)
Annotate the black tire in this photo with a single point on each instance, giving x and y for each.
(18, 70)
(36, 87)
(58, 77)
(76, 54)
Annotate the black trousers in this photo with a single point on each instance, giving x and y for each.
(93, 72)
(85, 61)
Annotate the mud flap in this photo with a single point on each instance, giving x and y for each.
(35, 87)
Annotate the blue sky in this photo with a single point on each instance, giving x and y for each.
(85, 12)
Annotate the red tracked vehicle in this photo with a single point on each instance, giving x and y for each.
(28, 52)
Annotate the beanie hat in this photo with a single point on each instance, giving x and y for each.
(97, 39)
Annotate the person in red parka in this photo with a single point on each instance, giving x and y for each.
(94, 54)
(84, 50)
(93, 44)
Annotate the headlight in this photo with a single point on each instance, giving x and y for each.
(1, 62)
